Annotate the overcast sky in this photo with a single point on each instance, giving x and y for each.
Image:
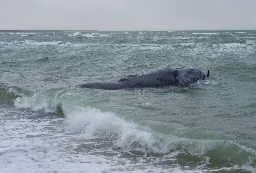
(127, 14)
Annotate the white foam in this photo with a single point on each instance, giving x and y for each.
(53, 151)
(205, 33)
(26, 33)
(21, 33)
(250, 42)
(182, 38)
(92, 123)
(74, 34)
(88, 35)
(42, 100)
(187, 44)
(42, 146)
(51, 161)
(103, 35)
(32, 103)
(5, 43)
(234, 45)
(44, 43)
(151, 47)
(210, 82)
(35, 43)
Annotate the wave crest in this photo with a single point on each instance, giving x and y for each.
(91, 123)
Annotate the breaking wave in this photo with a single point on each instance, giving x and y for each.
(90, 123)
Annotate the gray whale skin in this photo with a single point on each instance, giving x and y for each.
(159, 78)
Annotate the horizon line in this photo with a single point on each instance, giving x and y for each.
(68, 30)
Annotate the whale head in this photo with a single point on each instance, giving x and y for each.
(188, 76)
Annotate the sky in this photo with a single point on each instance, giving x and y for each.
(127, 15)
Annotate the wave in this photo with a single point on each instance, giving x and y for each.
(74, 34)
(8, 95)
(35, 43)
(95, 35)
(44, 43)
(151, 47)
(250, 42)
(7, 43)
(48, 43)
(241, 32)
(205, 33)
(103, 35)
(22, 33)
(234, 45)
(46, 100)
(89, 123)
(246, 47)
(50, 159)
(88, 35)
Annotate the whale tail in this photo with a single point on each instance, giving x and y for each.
(208, 73)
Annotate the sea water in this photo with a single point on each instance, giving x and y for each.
(49, 125)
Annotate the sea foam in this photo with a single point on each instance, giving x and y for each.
(91, 123)
(74, 34)
(88, 35)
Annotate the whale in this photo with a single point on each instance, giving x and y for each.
(161, 78)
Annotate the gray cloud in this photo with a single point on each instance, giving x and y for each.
(128, 14)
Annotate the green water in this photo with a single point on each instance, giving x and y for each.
(211, 123)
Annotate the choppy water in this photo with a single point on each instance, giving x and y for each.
(209, 126)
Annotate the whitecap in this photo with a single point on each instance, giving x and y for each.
(32, 103)
(205, 33)
(88, 35)
(5, 43)
(150, 47)
(234, 45)
(91, 123)
(25, 33)
(250, 42)
(44, 43)
(74, 34)
(103, 35)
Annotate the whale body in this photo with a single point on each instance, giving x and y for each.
(156, 79)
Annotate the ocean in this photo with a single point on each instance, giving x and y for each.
(48, 125)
